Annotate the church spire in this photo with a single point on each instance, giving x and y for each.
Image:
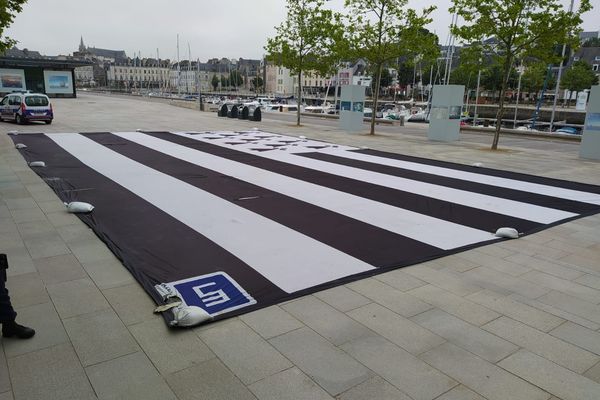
(81, 45)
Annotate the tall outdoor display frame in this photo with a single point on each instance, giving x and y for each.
(590, 142)
(444, 117)
(352, 105)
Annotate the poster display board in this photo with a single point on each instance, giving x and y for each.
(58, 81)
(352, 104)
(446, 107)
(12, 80)
(590, 142)
(581, 101)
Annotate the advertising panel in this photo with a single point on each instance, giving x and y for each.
(58, 81)
(12, 80)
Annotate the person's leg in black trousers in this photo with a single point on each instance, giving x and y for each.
(7, 314)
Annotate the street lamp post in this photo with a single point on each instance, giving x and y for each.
(521, 70)
(476, 98)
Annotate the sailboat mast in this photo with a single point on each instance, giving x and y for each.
(178, 68)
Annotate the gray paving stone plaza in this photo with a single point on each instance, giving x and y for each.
(513, 320)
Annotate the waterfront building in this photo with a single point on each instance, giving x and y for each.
(29, 70)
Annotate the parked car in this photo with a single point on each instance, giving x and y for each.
(569, 130)
(23, 107)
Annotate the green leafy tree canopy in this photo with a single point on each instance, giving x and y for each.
(380, 31)
(8, 11)
(307, 40)
(579, 77)
(510, 29)
(215, 82)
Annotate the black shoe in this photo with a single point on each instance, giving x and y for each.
(10, 329)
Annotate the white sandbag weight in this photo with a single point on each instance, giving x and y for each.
(20, 146)
(79, 207)
(37, 164)
(510, 233)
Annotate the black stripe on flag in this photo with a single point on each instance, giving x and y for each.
(583, 187)
(475, 187)
(371, 244)
(452, 212)
(152, 245)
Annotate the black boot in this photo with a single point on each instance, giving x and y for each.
(10, 329)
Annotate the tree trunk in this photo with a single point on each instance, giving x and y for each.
(375, 99)
(299, 97)
(500, 114)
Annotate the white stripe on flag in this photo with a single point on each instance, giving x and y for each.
(433, 231)
(287, 258)
(494, 204)
(563, 193)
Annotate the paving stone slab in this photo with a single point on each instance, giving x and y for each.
(331, 368)
(271, 321)
(4, 377)
(400, 280)
(49, 330)
(405, 371)
(573, 305)
(465, 335)
(108, 273)
(545, 266)
(342, 298)
(132, 303)
(460, 392)
(249, 356)
(182, 348)
(455, 305)
(59, 269)
(489, 278)
(209, 380)
(27, 290)
(564, 286)
(593, 373)
(579, 336)
(556, 311)
(99, 336)
(375, 388)
(490, 381)
(130, 377)
(330, 323)
(397, 301)
(555, 379)
(6, 396)
(516, 310)
(290, 384)
(543, 344)
(49, 374)
(443, 279)
(49, 245)
(76, 297)
(397, 329)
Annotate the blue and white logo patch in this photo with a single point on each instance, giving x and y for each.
(215, 293)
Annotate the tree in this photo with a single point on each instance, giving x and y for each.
(510, 29)
(215, 83)
(534, 77)
(380, 31)
(224, 81)
(307, 40)
(235, 78)
(8, 11)
(579, 77)
(592, 42)
(257, 83)
(385, 80)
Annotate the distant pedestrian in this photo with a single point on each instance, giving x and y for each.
(7, 314)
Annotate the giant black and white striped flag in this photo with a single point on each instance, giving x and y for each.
(235, 221)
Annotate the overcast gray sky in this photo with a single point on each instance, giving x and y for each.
(213, 28)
